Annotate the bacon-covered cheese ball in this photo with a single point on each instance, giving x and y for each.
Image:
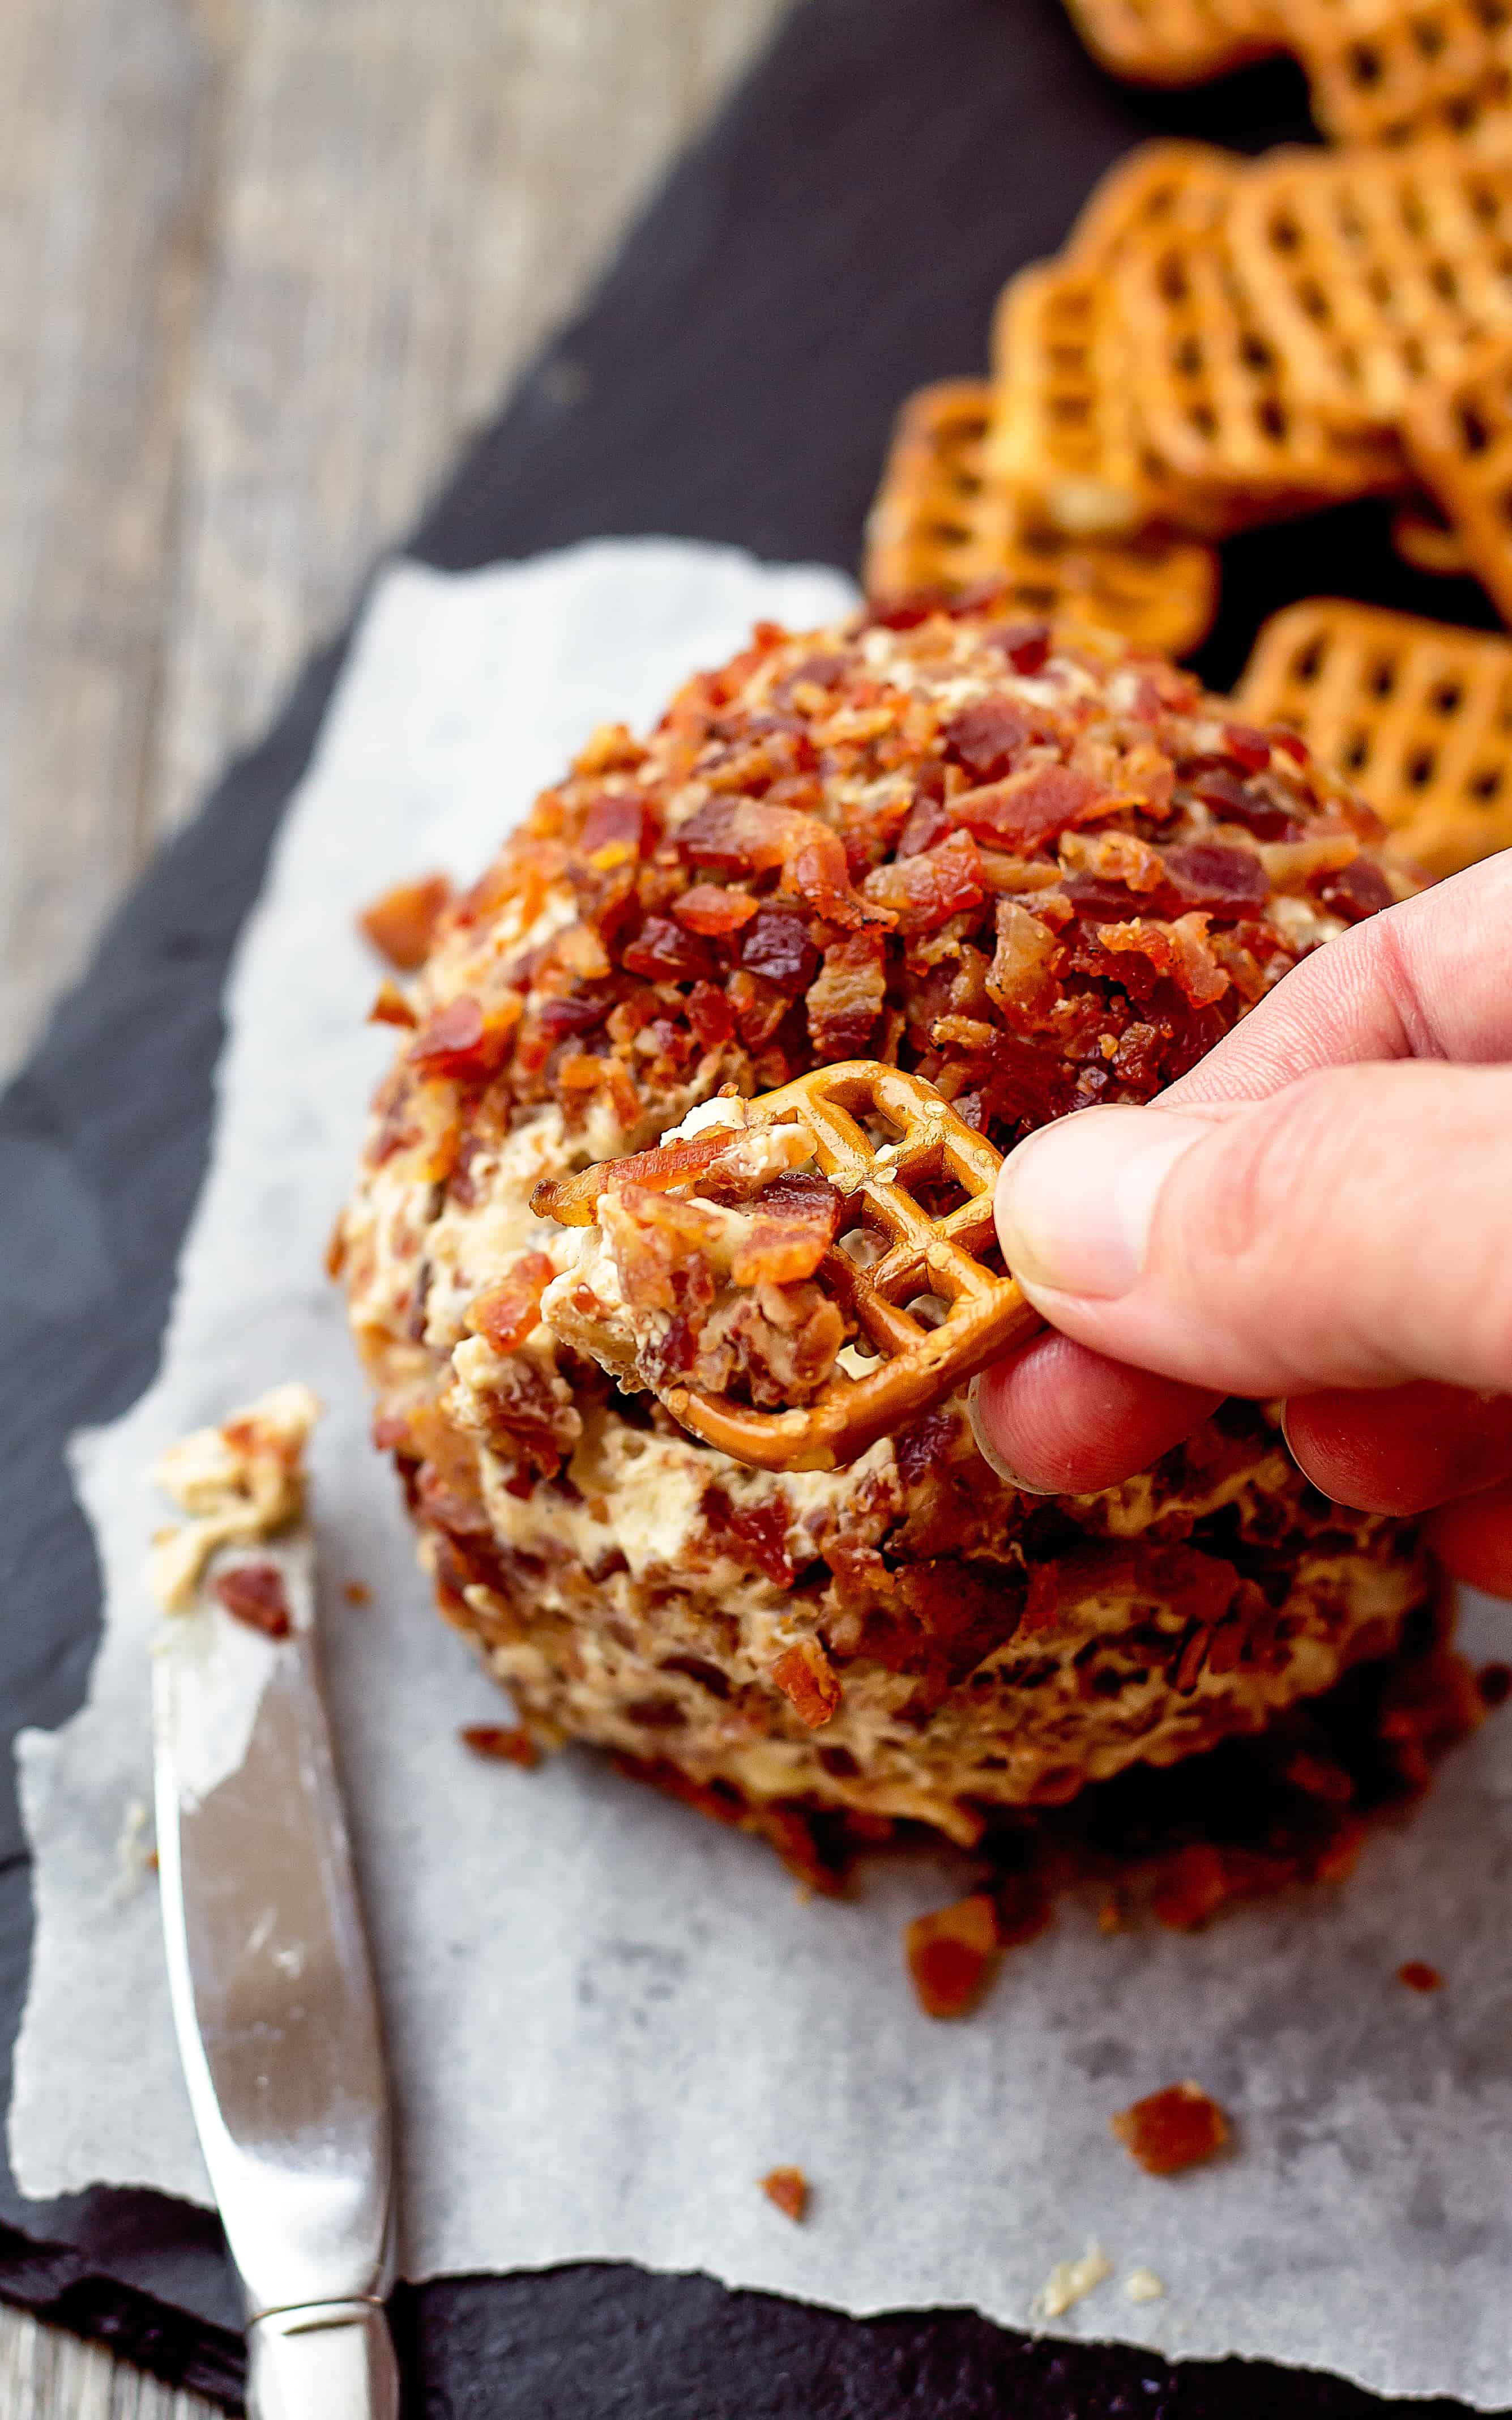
(1041, 871)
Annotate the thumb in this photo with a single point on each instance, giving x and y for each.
(1352, 1230)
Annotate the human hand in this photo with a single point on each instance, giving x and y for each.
(1322, 1211)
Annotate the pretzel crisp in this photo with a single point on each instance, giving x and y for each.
(1219, 401)
(1154, 186)
(1459, 440)
(1175, 42)
(1390, 71)
(932, 1259)
(939, 525)
(1066, 439)
(1378, 70)
(1429, 544)
(1375, 270)
(1414, 714)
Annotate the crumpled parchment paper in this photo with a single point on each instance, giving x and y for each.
(608, 2018)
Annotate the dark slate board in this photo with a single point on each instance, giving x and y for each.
(837, 239)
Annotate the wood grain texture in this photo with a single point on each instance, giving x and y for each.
(45, 2375)
(263, 265)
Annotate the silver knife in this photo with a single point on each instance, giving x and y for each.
(272, 1991)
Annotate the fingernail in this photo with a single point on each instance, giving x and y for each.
(1075, 1201)
(995, 1462)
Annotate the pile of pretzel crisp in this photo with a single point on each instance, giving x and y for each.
(1223, 342)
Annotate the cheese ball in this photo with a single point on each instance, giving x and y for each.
(1041, 871)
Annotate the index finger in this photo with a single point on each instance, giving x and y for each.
(1424, 980)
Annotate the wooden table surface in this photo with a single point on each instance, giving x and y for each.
(263, 266)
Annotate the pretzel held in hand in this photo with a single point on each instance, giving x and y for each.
(845, 1220)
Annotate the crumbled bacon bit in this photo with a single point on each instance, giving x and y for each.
(252, 1593)
(617, 830)
(751, 1533)
(714, 910)
(953, 1953)
(794, 1220)
(789, 2189)
(609, 749)
(1025, 645)
(1420, 1977)
(402, 923)
(1356, 890)
(809, 1682)
(664, 952)
(390, 1006)
(1172, 2130)
(1021, 978)
(1320, 1779)
(572, 1199)
(925, 891)
(1211, 874)
(777, 945)
(463, 1039)
(1249, 749)
(1030, 807)
(846, 997)
(507, 1743)
(1192, 1887)
(1180, 949)
(986, 736)
(505, 1314)
(751, 837)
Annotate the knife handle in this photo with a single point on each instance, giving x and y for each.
(322, 2360)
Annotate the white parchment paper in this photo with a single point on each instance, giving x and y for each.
(608, 2018)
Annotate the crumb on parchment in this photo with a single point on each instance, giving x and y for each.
(1419, 1976)
(239, 1482)
(506, 1742)
(1172, 2130)
(1069, 2282)
(135, 1857)
(1143, 2286)
(953, 1953)
(789, 2189)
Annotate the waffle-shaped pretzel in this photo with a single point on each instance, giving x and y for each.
(1387, 71)
(1173, 41)
(1378, 70)
(1459, 440)
(1428, 544)
(938, 525)
(925, 1257)
(1065, 439)
(1375, 270)
(1154, 186)
(935, 522)
(1417, 715)
(1218, 399)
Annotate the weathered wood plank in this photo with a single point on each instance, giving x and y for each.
(263, 264)
(107, 127)
(45, 2375)
(412, 196)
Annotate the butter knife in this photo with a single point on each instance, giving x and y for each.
(271, 1986)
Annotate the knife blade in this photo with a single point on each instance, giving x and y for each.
(272, 1991)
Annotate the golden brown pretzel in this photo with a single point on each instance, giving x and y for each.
(935, 1256)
